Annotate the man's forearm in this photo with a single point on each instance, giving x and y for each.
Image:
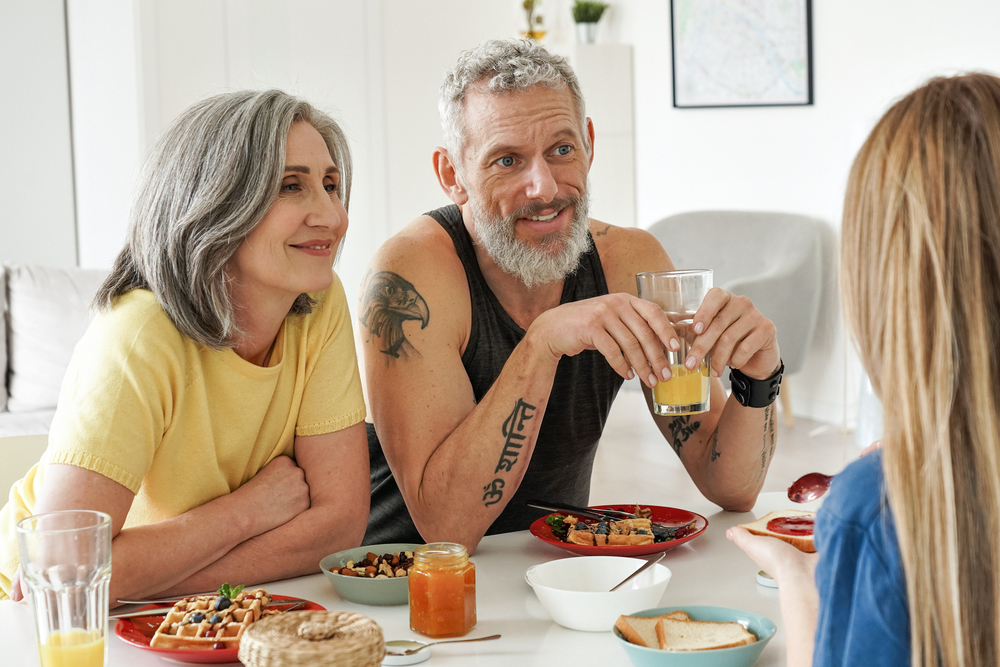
(740, 453)
(472, 475)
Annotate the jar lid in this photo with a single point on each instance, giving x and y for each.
(321, 638)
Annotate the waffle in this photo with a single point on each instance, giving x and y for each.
(179, 628)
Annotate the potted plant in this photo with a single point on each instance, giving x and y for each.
(587, 13)
(536, 24)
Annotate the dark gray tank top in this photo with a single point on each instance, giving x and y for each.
(582, 392)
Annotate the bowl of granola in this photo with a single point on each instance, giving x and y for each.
(375, 574)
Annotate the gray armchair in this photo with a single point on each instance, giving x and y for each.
(776, 259)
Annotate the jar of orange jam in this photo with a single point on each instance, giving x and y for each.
(442, 590)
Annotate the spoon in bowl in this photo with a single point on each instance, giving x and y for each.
(809, 487)
(420, 646)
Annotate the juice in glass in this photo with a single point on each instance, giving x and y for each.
(72, 648)
(685, 393)
(442, 590)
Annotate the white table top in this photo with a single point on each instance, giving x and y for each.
(709, 570)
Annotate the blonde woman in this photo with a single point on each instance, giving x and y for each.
(908, 571)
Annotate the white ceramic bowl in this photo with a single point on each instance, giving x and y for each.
(576, 591)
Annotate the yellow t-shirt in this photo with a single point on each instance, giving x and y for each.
(180, 424)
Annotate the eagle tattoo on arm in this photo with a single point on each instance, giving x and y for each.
(391, 300)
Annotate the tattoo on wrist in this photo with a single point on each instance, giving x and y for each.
(681, 430)
(389, 300)
(768, 418)
(514, 437)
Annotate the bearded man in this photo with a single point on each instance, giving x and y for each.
(498, 330)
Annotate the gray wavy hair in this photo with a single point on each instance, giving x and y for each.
(502, 67)
(208, 182)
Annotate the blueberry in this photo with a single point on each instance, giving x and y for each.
(642, 532)
(602, 528)
(222, 602)
(215, 619)
(197, 618)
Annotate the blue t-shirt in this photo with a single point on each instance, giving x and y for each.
(863, 612)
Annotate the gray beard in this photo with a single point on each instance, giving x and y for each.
(554, 258)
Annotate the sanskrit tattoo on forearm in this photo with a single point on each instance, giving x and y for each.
(388, 301)
(681, 430)
(493, 491)
(513, 433)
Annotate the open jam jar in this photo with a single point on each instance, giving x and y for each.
(442, 590)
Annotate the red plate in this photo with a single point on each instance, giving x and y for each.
(669, 516)
(139, 631)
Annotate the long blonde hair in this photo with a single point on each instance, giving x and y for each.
(921, 288)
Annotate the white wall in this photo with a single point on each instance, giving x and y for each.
(36, 171)
(108, 127)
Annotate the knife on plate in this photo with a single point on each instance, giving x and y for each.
(292, 604)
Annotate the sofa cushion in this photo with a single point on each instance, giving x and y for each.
(3, 339)
(49, 311)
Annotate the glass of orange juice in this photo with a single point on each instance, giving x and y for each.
(679, 294)
(66, 564)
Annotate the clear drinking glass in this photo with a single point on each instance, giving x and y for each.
(66, 565)
(679, 294)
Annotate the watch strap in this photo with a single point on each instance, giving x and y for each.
(753, 393)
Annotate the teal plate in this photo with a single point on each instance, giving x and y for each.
(737, 656)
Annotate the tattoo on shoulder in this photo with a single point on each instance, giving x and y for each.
(603, 232)
(513, 433)
(389, 300)
(681, 430)
(715, 446)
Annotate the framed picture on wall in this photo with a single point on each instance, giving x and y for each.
(736, 53)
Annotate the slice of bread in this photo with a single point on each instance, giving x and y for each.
(676, 635)
(800, 542)
(641, 630)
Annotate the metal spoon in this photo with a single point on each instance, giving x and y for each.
(423, 645)
(809, 487)
(641, 568)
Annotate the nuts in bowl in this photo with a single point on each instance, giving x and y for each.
(373, 566)
(381, 580)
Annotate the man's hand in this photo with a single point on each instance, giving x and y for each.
(275, 495)
(737, 335)
(630, 332)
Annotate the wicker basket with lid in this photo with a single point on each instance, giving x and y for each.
(320, 638)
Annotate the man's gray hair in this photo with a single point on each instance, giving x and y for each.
(208, 182)
(501, 67)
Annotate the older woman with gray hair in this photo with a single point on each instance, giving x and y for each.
(214, 406)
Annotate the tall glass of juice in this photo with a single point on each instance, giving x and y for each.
(679, 294)
(66, 564)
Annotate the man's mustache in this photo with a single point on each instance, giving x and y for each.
(535, 209)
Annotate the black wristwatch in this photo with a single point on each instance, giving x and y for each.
(753, 393)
